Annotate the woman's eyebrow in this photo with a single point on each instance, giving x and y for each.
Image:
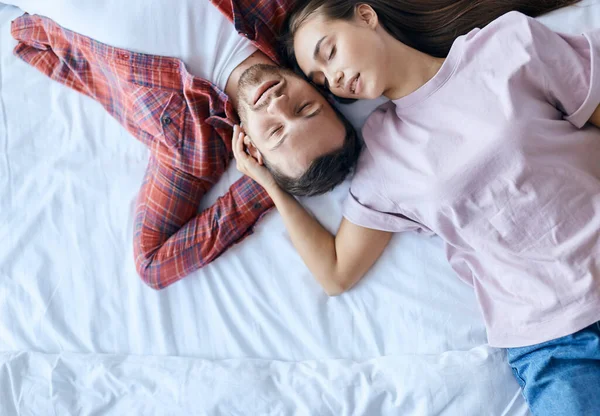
(315, 55)
(318, 47)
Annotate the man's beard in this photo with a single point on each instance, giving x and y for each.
(252, 77)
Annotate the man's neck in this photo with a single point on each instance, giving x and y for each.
(231, 89)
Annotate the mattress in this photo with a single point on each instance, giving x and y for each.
(251, 333)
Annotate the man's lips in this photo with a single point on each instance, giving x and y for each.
(260, 92)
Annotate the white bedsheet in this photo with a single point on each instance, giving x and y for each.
(251, 333)
(75, 384)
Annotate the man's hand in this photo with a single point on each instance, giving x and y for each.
(247, 164)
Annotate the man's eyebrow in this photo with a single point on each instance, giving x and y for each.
(315, 55)
(315, 113)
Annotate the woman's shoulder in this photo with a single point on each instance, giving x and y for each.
(511, 26)
(512, 18)
(512, 39)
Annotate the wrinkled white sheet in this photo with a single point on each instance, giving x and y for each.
(252, 333)
(95, 384)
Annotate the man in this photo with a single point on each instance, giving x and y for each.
(186, 122)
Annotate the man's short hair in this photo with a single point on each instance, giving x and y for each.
(325, 172)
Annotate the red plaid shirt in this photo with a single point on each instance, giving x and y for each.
(184, 120)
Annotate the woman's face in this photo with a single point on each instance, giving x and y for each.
(346, 57)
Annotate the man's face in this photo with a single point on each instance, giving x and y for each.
(289, 122)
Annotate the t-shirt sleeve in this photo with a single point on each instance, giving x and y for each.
(364, 216)
(367, 206)
(569, 65)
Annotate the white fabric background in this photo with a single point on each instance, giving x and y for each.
(251, 333)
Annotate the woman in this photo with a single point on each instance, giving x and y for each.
(491, 147)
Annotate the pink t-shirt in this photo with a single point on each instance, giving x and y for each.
(494, 155)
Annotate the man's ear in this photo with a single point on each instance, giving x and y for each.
(253, 150)
(366, 15)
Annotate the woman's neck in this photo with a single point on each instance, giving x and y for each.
(408, 69)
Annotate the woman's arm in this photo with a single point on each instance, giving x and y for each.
(337, 262)
(595, 118)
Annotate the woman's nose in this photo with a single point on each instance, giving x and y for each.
(339, 76)
(336, 79)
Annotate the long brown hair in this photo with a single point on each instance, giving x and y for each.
(430, 26)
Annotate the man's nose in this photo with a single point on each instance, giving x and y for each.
(279, 106)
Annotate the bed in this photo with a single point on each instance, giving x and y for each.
(250, 334)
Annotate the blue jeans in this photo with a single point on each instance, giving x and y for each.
(562, 376)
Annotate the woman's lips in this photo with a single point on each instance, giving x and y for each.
(353, 86)
(260, 92)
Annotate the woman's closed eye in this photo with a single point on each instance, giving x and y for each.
(332, 53)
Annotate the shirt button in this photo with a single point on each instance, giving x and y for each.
(257, 206)
(166, 120)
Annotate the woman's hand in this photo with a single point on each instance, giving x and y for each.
(248, 165)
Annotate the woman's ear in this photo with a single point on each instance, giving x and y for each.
(366, 15)
(252, 150)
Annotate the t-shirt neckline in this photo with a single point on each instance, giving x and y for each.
(440, 78)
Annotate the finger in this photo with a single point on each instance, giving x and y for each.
(240, 144)
(234, 144)
(234, 138)
(238, 148)
(247, 143)
(237, 137)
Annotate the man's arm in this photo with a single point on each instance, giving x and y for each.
(171, 239)
(337, 262)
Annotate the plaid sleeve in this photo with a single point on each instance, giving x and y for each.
(171, 240)
(124, 83)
